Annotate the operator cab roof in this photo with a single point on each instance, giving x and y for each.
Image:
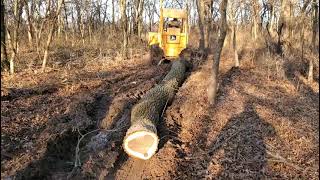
(175, 13)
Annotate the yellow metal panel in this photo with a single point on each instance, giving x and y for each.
(172, 50)
(175, 13)
(153, 38)
(173, 31)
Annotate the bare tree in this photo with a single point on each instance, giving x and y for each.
(213, 84)
(137, 26)
(208, 8)
(29, 12)
(13, 35)
(272, 18)
(256, 19)
(200, 8)
(315, 23)
(124, 26)
(315, 19)
(113, 15)
(283, 23)
(234, 8)
(54, 13)
(38, 23)
(4, 55)
(280, 23)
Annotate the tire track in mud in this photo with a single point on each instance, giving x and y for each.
(171, 146)
(119, 114)
(86, 111)
(107, 143)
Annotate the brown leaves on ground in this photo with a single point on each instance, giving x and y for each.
(265, 124)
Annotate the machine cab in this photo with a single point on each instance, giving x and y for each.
(172, 35)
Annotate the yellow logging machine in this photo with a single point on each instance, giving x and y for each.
(172, 35)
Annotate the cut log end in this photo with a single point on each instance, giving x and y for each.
(141, 144)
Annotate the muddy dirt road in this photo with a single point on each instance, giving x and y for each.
(73, 128)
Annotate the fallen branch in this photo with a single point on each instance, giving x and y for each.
(77, 162)
(217, 145)
(278, 158)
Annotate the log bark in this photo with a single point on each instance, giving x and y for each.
(141, 139)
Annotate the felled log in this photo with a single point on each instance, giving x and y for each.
(141, 140)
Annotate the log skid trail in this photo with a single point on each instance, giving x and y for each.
(159, 89)
(253, 132)
(238, 138)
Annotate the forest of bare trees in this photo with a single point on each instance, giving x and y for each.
(245, 104)
(35, 24)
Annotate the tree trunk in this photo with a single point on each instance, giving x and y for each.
(315, 22)
(310, 71)
(113, 18)
(234, 43)
(124, 26)
(66, 27)
(46, 50)
(4, 55)
(200, 8)
(79, 14)
(256, 21)
(313, 39)
(38, 30)
(138, 11)
(283, 23)
(82, 29)
(29, 21)
(13, 39)
(141, 139)
(60, 25)
(254, 28)
(212, 90)
(73, 26)
(90, 31)
(208, 24)
(272, 20)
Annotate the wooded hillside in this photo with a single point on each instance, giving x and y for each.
(75, 74)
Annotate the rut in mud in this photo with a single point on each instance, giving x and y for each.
(41, 127)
